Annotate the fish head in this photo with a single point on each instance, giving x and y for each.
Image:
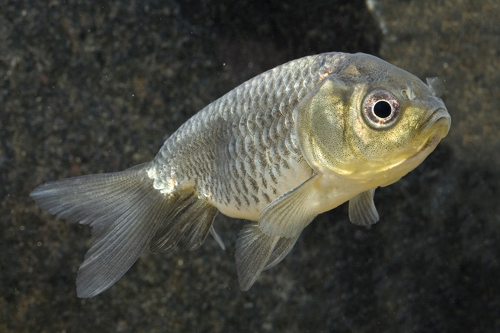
(371, 122)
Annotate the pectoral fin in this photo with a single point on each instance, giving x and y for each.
(362, 210)
(290, 213)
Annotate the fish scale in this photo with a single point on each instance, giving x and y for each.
(255, 143)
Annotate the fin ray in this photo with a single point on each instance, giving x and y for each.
(217, 238)
(283, 247)
(362, 210)
(290, 213)
(123, 211)
(253, 249)
(195, 234)
(189, 224)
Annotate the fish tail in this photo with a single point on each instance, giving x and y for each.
(256, 251)
(124, 212)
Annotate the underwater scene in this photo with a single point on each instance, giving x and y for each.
(339, 192)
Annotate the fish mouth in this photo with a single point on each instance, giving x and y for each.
(438, 121)
(436, 127)
(433, 130)
(428, 146)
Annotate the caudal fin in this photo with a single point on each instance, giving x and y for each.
(124, 212)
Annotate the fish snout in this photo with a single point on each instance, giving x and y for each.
(438, 121)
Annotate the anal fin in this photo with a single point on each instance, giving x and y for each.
(195, 235)
(188, 224)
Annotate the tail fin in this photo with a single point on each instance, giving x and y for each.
(124, 212)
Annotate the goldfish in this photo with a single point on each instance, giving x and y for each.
(281, 148)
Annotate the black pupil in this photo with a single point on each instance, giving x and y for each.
(382, 109)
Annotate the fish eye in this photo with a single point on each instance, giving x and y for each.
(380, 109)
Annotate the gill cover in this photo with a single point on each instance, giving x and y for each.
(320, 120)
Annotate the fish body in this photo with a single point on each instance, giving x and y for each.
(283, 147)
(242, 150)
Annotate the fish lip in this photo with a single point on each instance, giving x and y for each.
(430, 144)
(435, 128)
(438, 117)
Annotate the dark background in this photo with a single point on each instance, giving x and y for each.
(95, 86)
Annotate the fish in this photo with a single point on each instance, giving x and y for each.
(293, 142)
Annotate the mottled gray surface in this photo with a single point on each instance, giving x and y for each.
(97, 87)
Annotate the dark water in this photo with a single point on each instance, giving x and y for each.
(89, 87)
